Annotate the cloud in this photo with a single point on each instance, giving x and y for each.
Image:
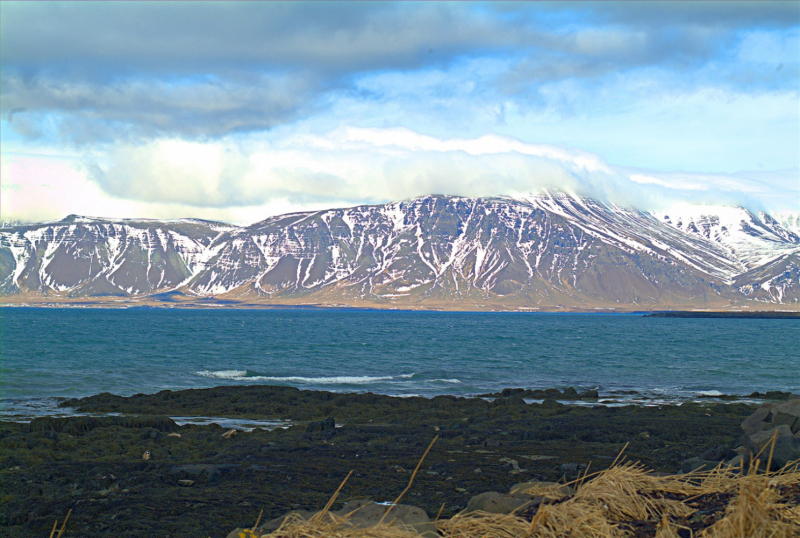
(146, 69)
(245, 181)
(357, 165)
(148, 108)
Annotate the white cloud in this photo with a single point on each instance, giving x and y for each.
(247, 179)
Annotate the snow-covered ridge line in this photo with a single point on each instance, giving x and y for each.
(537, 249)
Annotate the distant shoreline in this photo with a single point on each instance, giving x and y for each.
(229, 304)
(723, 314)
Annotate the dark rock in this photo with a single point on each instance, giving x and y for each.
(550, 403)
(698, 464)
(211, 471)
(321, 425)
(82, 425)
(152, 433)
(718, 453)
(777, 395)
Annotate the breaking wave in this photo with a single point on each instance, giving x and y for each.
(248, 375)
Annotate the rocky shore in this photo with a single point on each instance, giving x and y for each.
(141, 474)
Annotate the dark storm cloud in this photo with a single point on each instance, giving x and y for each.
(104, 39)
(106, 70)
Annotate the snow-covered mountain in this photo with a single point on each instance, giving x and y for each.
(544, 251)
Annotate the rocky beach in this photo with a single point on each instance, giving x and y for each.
(125, 468)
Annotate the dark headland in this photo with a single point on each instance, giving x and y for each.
(140, 474)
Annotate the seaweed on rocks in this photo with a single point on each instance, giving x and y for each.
(94, 465)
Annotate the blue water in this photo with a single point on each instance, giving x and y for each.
(66, 352)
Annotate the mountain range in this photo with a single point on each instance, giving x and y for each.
(549, 251)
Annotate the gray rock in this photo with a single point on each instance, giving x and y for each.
(561, 489)
(493, 502)
(787, 447)
(757, 421)
(571, 468)
(787, 413)
(737, 461)
(363, 514)
(697, 464)
(275, 524)
(512, 466)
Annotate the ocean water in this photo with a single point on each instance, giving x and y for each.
(52, 353)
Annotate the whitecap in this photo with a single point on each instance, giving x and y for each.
(335, 380)
(224, 374)
(444, 381)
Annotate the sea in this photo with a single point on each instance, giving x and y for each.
(50, 354)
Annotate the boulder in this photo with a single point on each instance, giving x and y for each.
(787, 413)
(362, 514)
(757, 421)
(787, 446)
(493, 502)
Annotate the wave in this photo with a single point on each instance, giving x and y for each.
(248, 375)
(454, 381)
(224, 374)
(710, 393)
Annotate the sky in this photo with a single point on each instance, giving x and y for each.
(237, 111)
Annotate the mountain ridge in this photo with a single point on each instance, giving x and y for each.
(548, 251)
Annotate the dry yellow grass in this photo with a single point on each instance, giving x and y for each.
(758, 510)
(603, 504)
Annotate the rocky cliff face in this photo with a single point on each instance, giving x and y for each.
(539, 252)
